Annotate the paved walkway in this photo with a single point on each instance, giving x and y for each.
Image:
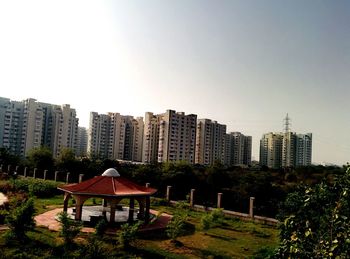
(3, 198)
(48, 219)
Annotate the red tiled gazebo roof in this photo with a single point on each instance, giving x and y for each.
(107, 186)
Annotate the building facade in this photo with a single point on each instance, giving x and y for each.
(151, 138)
(238, 148)
(210, 142)
(82, 141)
(285, 149)
(30, 124)
(169, 137)
(115, 136)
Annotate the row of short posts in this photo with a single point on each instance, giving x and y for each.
(25, 173)
(219, 200)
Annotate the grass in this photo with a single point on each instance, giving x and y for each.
(235, 239)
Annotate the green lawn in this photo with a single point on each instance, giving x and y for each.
(235, 239)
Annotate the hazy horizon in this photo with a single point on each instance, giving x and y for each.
(245, 64)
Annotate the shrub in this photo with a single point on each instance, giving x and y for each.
(94, 249)
(69, 228)
(6, 186)
(176, 226)
(127, 234)
(100, 228)
(3, 215)
(37, 187)
(213, 219)
(21, 219)
(315, 221)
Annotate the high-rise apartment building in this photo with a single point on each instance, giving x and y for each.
(151, 138)
(82, 141)
(29, 124)
(238, 149)
(177, 137)
(210, 142)
(170, 136)
(271, 150)
(115, 136)
(285, 149)
(303, 149)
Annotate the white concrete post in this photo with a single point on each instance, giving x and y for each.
(219, 200)
(251, 207)
(168, 188)
(192, 198)
(81, 177)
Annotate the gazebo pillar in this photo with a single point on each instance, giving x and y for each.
(65, 201)
(147, 213)
(79, 206)
(104, 211)
(113, 204)
(141, 202)
(131, 209)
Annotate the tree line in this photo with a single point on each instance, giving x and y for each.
(269, 187)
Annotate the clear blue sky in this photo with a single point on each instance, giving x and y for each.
(243, 63)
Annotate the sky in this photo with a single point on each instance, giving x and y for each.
(242, 63)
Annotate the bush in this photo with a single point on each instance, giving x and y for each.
(37, 187)
(3, 215)
(6, 186)
(94, 249)
(21, 219)
(127, 234)
(100, 228)
(176, 226)
(315, 221)
(69, 228)
(213, 219)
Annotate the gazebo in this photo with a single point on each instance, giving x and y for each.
(112, 188)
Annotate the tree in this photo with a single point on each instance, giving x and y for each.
(66, 161)
(21, 220)
(40, 158)
(7, 158)
(316, 221)
(69, 228)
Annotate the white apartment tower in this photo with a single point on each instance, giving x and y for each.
(170, 136)
(137, 136)
(29, 124)
(271, 150)
(82, 141)
(238, 148)
(285, 149)
(60, 128)
(151, 138)
(177, 137)
(99, 135)
(210, 142)
(303, 149)
(115, 136)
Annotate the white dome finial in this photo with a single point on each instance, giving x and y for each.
(111, 172)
